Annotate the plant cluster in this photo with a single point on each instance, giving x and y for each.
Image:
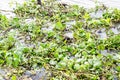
(41, 42)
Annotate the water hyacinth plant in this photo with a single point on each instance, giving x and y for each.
(61, 39)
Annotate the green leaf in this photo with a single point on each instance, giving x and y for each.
(76, 66)
(86, 16)
(59, 26)
(14, 77)
(118, 68)
(1, 61)
(56, 55)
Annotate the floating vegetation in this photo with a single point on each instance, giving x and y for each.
(55, 41)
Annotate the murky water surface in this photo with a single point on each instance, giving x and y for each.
(6, 6)
(97, 14)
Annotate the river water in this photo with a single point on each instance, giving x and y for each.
(6, 6)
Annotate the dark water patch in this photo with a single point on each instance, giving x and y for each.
(115, 78)
(70, 24)
(68, 35)
(101, 33)
(106, 33)
(115, 30)
(47, 27)
(8, 14)
(2, 74)
(28, 73)
(105, 52)
(40, 75)
(97, 14)
(30, 20)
